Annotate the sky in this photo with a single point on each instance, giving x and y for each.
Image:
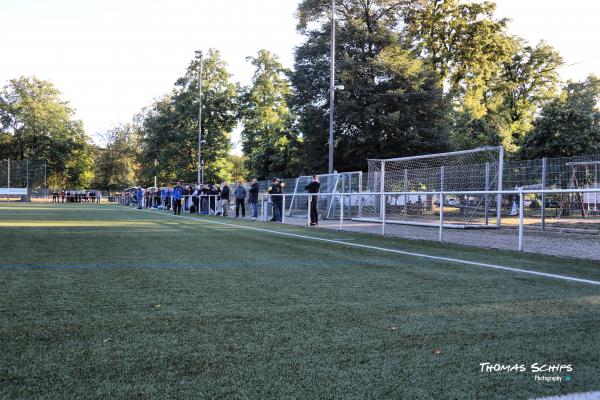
(111, 58)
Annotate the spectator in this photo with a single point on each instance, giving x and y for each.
(195, 200)
(225, 198)
(62, 196)
(253, 199)
(240, 199)
(213, 193)
(313, 187)
(276, 190)
(177, 194)
(139, 196)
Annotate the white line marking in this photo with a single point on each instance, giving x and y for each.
(573, 396)
(407, 253)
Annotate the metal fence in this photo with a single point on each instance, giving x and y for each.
(28, 174)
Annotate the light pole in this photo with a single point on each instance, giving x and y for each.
(200, 161)
(331, 85)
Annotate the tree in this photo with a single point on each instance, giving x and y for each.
(269, 139)
(568, 125)
(523, 85)
(36, 124)
(116, 164)
(169, 127)
(391, 105)
(463, 43)
(238, 168)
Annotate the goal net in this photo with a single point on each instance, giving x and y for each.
(478, 169)
(328, 206)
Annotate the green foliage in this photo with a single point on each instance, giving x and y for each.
(496, 81)
(463, 43)
(36, 124)
(169, 127)
(569, 125)
(116, 163)
(269, 139)
(392, 103)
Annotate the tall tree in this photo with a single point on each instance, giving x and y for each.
(170, 126)
(391, 103)
(35, 123)
(269, 139)
(116, 163)
(522, 86)
(568, 125)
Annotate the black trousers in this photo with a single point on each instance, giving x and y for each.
(240, 203)
(176, 207)
(314, 216)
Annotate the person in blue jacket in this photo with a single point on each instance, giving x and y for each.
(139, 194)
(177, 195)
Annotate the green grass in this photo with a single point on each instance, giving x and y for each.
(107, 302)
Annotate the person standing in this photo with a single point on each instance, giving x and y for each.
(253, 199)
(139, 196)
(276, 191)
(212, 200)
(177, 194)
(313, 188)
(240, 199)
(225, 198)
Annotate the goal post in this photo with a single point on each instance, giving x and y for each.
(473, 170)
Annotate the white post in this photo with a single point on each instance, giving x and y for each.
(499, 196)
(308, 213)
(441, 203)
(405, 188)
(360, 203)
(341, 211)
(521, 219)
(45, 182)
(282, 212)
(543, 209)
(596, 187)
(487, 196)
(382, 189)
(383, 201)
(441, 216)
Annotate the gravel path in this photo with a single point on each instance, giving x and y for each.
(576, 245)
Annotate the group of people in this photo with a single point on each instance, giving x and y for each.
(85, 196)
(218, 199)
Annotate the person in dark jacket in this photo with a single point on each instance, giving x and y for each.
(240, 199)
(225, 198)
(253, 198)
(276, 189)
(177, 194)
(212, 203)
(313, 187)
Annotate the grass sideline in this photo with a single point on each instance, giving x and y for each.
(106, 302)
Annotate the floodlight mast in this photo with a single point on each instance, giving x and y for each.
(331, 86)
(200, 160)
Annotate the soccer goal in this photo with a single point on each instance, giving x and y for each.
(344, 182)
(417, 177)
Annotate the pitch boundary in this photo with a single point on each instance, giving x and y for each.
(388, 250)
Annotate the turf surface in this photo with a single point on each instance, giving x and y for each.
(108, 302)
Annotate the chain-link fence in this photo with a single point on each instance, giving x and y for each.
(24, 179)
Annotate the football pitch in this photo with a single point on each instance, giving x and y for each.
(102, 301)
